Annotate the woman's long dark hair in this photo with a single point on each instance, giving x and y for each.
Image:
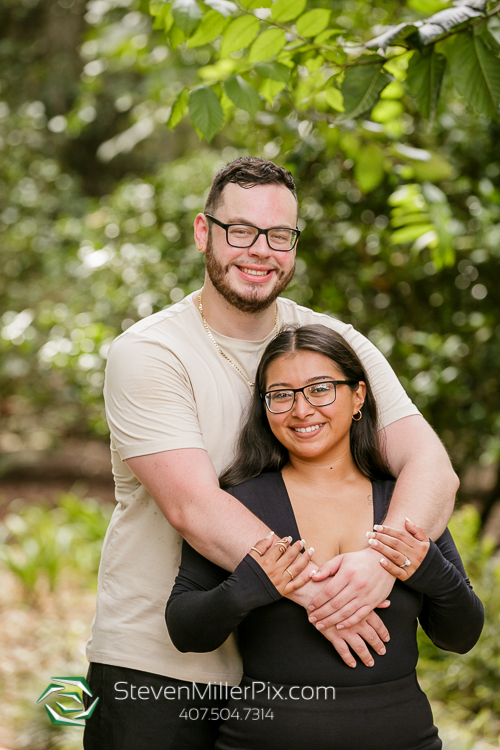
(258, 450)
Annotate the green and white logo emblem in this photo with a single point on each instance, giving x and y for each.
(61, 686)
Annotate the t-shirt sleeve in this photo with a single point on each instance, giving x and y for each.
(393, 403)
(149, 400)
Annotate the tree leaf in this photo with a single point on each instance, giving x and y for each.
(361, 88)
(273, 70)
(334, 99)
(187, 15)
(286, 10)
(475, 71)
(252, 4)
(267, 45)
(239, 34)
(205, 111)
(209, 29)
(392, 35)
(270, 89)
(178, 109)
(224, 7)
(410, 233)
(242, 94)
(313, 22)
(444, 21)
(369, 168)
(424, 77)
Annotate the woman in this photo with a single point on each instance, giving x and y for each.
(307, 464)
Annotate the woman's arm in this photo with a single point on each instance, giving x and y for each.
(452, 615)
(207, 604)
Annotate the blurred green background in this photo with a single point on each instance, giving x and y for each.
(97, 201)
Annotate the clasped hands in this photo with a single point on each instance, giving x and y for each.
(356, 583)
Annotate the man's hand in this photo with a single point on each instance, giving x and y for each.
(355, 589)
(371, 631)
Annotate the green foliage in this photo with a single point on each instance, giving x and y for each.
(424, 78)
(475, 71)
(40, 542)
(205, 111)
(468, 683)
(362, 87)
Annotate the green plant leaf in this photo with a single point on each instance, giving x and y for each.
(187, 15)
(334, 99)
(369, 168)
(270, 89)
(224, 7)
(205, 111)
(313, 22)
(287, 10)
(176, 36)
(239, 34)
(209, 29)
(178, 108)
(267, 45)
(242, 94)
(361, 88)
(273, 70)
(475, 71)
(410, 233)
(252, 4)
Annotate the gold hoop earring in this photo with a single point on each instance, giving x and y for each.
(357, 416)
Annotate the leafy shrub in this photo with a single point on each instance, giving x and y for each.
(468, 683)
(40, 542)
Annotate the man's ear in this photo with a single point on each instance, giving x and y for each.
(201, 232)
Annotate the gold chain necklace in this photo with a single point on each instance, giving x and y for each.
(223, 354)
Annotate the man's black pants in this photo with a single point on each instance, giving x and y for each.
(133, 712)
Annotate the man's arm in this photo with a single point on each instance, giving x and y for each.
(185, 487)
(425, 490)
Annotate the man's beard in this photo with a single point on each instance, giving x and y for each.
(251, 303)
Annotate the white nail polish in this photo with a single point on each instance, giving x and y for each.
(270, 535)
(311, 551)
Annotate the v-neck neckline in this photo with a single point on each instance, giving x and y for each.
(378, 504)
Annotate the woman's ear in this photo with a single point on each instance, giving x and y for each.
(359, 396)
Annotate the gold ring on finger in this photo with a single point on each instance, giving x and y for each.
(257, 550)
(281, 545)
(290, 574)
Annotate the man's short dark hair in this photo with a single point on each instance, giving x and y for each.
(247, 172)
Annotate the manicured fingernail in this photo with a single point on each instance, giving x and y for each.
(320, 626)
(370, 664)
(372, 542)
(310, 551)
(311, 575)
(382, 651)
(313, 620)
(386, 638)
(377, 527)
(383, 561)
(370, 534)
(351, 664)
(270, 535)
(340, 627)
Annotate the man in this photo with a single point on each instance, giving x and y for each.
(177, 384)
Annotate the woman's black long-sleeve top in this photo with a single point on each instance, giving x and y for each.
(276, 640)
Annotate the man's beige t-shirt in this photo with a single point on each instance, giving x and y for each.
(168, 388)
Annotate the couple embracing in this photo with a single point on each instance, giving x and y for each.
(283, 580)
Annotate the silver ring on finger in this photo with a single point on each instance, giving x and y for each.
(406, 563)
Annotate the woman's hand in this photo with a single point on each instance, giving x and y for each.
(283, 562)
(403, 550)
